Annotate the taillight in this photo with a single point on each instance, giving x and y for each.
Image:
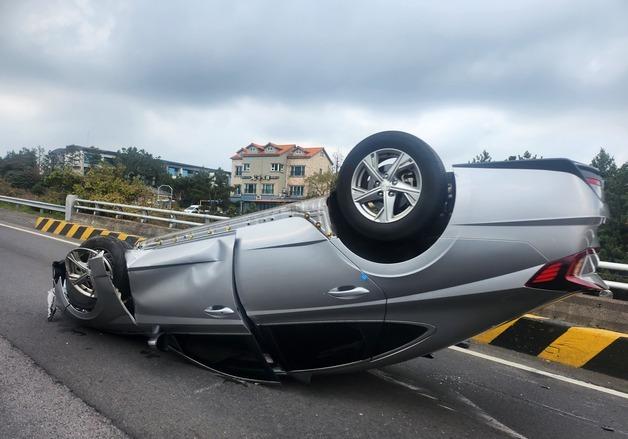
(571, 273)
(597, 185)
(547, 273)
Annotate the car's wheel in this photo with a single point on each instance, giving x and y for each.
(80, 290)
(391, 185)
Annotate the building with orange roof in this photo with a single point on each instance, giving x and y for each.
(275, 173)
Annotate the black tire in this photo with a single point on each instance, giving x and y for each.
(431, 199)
(114, 250)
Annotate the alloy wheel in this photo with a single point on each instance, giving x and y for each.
(78, 272)
(386, 185)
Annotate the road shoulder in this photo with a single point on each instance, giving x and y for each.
(33, 404)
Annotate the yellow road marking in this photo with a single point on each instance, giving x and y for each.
(48, 224)
(88, 231)
(578, 345)
(70, 233)
(59, 227)
(493, 333)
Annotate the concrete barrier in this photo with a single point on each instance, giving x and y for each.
(577, 346)
(591, 311)
(80, 231)
(130, 227)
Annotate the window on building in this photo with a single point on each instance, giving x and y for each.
(268, 189)
(276, 167)
(238, 170)
(237, 189)
(296, 191)
(250, 188)
(297, 171)
(172, 170)
(270, 149)
(246, 167)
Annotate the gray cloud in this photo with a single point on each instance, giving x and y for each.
(195, 81)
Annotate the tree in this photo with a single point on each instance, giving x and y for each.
(482, 158)
(41, 158)
(141, 164)
(319, 185)
(526, 156)
(221, 190)
(202, 186)
(53, 160)
(62, 179)
(614, 233)
(605, 163)
(337, 159)
(108, 183)
(21, 168)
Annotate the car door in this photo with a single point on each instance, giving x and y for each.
(313, 307)
(186, 291)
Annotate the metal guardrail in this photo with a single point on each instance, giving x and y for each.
(33, 203)
(614, 266)
(141, 212)
(119, 210)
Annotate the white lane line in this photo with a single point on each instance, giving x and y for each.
(489, 420)
(387, 377)
(38, 234)
(541, 372)
(485, 417)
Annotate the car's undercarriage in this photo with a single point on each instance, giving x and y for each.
(402, 259)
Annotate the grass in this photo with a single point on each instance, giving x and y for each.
(31, 210)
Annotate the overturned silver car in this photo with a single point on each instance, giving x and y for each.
(401, 260)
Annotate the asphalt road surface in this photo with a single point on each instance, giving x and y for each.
(58, 379)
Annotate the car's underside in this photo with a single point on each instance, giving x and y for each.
(401, 260)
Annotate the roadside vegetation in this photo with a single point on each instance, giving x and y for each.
(132, 178)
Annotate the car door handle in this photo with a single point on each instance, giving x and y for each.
(218, 311)
(348, 292)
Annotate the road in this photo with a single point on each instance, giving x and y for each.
(130, 390)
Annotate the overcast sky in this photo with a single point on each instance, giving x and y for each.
(195, 81)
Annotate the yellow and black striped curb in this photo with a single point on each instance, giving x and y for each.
(80, 231)
(589, 348)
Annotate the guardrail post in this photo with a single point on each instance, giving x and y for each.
(70, 200)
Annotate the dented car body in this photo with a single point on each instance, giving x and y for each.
(296, 291)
